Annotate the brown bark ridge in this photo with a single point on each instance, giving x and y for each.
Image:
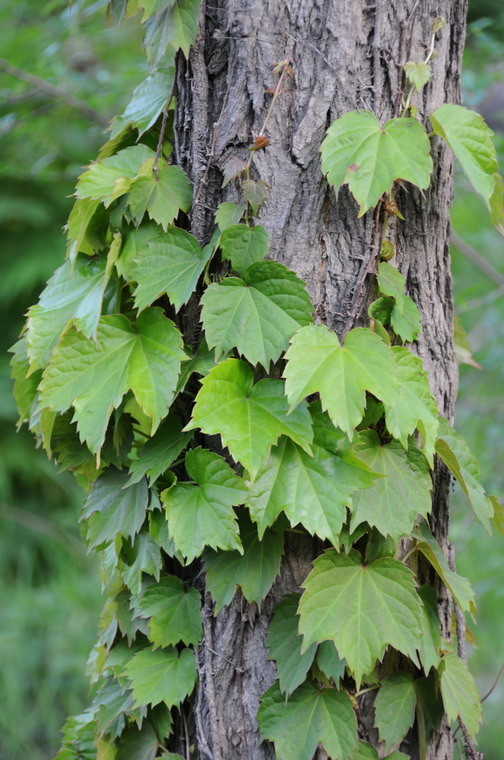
(346, 54)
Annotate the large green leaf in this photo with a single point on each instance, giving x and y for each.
(362, 608)
(455, 453)
(254, 571)
(368, 157)
(470, 139)
(249, 418)
(311, 490)
(202, 515)
(394, 501)
(174, 614)
(160, 451)
(164, 675)
(284, 644)
(108, 179)
(311, 717)
(258, 314)
(111, 704)
(459, 692)
(395, 708)
(317, 363)
(94, 376)
(162, 197)
(137, 744)
(171, 264)
(244, 245)
(413, 406)
(111, 509)
(147, 102)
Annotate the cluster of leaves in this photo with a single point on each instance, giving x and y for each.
(334, 440)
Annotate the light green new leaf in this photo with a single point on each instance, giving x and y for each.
(93, 376)
(470, 139)
(228, 215)
(174, 613)
(329, 662)
(25, 384)
(258, 314)
(254, 571)
(311, 717)
(112, 510)
(202, 515)
(77, 227)
(311, 490)
(430, 641)
(362, 608)
(243, 245)
(255, 192)
(359, 152)
(161, 198)
(147, 102)
(417, 74)
(395, 708)
(394, 501)
(459, 692)
(404, 316)
(161, 676)
(284, 644)
(171, 264)
(455, 453)
(390, 281)
(317, 363)
(145, 558)
(413, 406)
(249, 418)
(136, 744)
(108, 179)
(160, 451)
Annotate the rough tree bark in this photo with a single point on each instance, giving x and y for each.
(346, 54)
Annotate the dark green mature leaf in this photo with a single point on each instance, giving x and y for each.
(394, 501)
(311, 717)
(171, 264)
(470, 139)
(138, 744)
(174, 614)
(160, 451)
(284, 644)
(329, 662)
(365, 751)
(455, 453)
(258, 314)
(249, 418)
(25, 384)
(254, 571)
(362, 608)
(109, 179)
(161, 198)
(111, 704)
(164, 675)
(317, 363)
(430, 642)
(135, 241)
(202, 515)
(459, 692)
(395, 707)
(359, 152)
(94, 376)
(112, 510)
(145, 557)
(243, 245)
(147, 102)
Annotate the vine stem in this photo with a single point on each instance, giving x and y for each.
(162, 131)
(427, 60)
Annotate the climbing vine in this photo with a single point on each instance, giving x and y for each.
(331, 439)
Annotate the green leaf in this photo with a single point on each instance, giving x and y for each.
(171, 264)
(228, 214)
(200, 364)
(430, 642)
(183, 24)
(243, 246)
(365, 751)
(329, 662)
(417, 74)
(249, 418)
(496, 203)
(153, 6)
(160, 451)
(395, 708)
(144, 557)
(161, 198)
(255, 192)
(254, 571)
(202, 515)
(174, 614)
(94, 376)
(413, 406)
(316, 363)
(404, 316)
(136, 240)
(311, 717)
(256, 315)
(147, 102)
(137, 744)
(163, 675)
(112, 510)
(284, 644)
(455, 453)
(311, 490)
(111, 704)
(77, 226)
(362, 608)
(459, 692)
(359, 152)
(108, 179)
(392, 504)
(25, 384)
(470, 139)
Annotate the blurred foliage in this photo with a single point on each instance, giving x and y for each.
(49, 593)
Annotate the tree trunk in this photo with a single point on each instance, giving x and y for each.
(346, 54)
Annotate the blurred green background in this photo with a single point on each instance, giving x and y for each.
(49, 588)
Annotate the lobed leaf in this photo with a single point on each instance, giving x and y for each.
(284, 645)
(243, 245)
(174, 614)
(395, 708)
(148, 99)
(459, 692)
(111, 509)
(164, 675)
(161, 198)
(112, 177)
